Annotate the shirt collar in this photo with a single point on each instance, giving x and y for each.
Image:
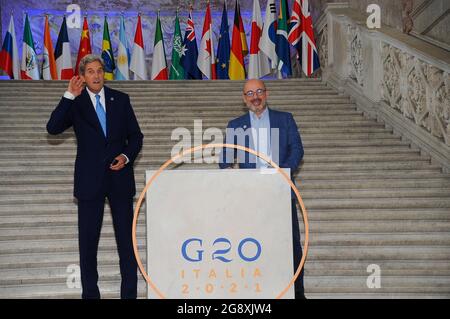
(92, 94)
(264, 114)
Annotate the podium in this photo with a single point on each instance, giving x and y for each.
(219, 234)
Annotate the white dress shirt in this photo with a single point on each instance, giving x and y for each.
(92, 95)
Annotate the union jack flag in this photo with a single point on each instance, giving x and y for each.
(301, 36)
(190, 30)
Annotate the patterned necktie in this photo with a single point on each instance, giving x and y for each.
(100, 113)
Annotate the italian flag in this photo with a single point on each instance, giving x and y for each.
(159, 64)
(29, 69)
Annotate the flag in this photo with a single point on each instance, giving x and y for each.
(258, 65)
(189, 59)
(49, 63)
(159, 64)
(268, 41)
(176, 69)
(237, 69)
(223, 47)
(107, 53)
(85, 44)
(206, 60)
(62, 54)
(29, 69)
(9, 56)
(301, 37)
(123, 55)
(282, 46)
(137, 65)
(242, 31)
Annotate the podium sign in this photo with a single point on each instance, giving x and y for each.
(219, 234)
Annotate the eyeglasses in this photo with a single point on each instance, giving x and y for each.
(258, 92)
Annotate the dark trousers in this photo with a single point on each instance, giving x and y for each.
(298, 253)
(90, 218)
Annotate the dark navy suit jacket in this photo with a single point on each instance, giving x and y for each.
(290, 143)
(95, 152)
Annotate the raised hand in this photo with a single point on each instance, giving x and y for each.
(76, 85)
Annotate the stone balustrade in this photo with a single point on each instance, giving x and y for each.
(398, 79)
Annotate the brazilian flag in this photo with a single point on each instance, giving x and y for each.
(107, 53)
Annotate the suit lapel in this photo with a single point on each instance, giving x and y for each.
(109, 101)
(272, 120)
(246, 123)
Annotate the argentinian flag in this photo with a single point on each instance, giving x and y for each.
(123, 58)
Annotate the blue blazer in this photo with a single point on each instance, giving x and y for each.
(290, 143)
(95, 152)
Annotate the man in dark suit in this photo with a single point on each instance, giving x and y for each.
(108, 142)
(274, 134)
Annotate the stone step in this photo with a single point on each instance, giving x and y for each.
(54, 217)
(325, 268)
(388, 268)
(309, 194)
(300, 108)
(235, 101)
(67, 168)
(66, 215)
(168, 131)
(65, 150)
(66, 175)
(173, 119)
(435, 239)
(309, 144)
(379, 194)
(377, 214)
(63, 259)
(380, 253)
(194, 91)
(188, 115)
(374, 184)
(56, 275)
(315, 226)
(108, 290)
(317, 186)
(157, 142)
(397, 282)
(26, 246)
(339, 295)
(219, 122)
(361, 203)
(41, 116)
(60, 275)
(168, 141)
(56, 233)
(315, 254)
(67, 158)
(320, 227)
(198, 95)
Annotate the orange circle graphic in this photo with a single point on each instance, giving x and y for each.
(219, 145)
